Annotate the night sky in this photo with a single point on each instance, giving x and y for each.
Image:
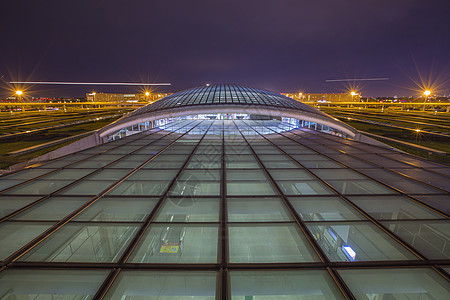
(279, 45)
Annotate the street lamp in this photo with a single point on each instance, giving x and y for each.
(353, 93)
(426, 94)
(19, 93)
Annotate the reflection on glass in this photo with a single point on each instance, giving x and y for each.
(324, 209)
(235, 188)
(50, 284)
(305, 284)
(396, 284)
(178, 243)
(163, 285)
(268, 243)
(194, 210)
(149, 188)
(431, 238)
(52, 209)
(303, 188)
(118, 209)
(257, 210)
(360, 241)
(84, 243)
(15, 235)
(9, 205)
(393, 208)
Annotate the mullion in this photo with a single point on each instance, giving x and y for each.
(16, 255)
(368, 216)
(298, 220)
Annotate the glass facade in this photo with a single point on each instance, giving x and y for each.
(226, 209)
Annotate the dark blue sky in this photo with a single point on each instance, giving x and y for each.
(280, 45)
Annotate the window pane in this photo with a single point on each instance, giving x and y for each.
(307, 284)
(393, 208)
(196, 188)
(84, 243)
(304, 188)
(118, 209)
(52, 209)
(163, 285)
(359, 187)
(257, 210)
(357, 242)
(324, 209)
(149, 188)
(189, 209)
(87, 187)
(176, 243)
(235, 188)
(40, 187)
(268, 243)
(16, 235)
(396, 284)
(431, 238)
(9, 205)
(50, 284)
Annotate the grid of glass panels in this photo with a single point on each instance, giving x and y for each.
(225, 94)
(217, 208)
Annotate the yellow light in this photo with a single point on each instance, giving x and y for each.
(417, 130)
(93, 93)
(147, 94)
(19, 93)
(427, 93)
(353, 93)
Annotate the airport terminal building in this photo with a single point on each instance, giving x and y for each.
(226, 192)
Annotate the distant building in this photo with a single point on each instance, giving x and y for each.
(332, 97)
(129, 97)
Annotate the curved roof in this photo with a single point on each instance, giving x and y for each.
(226, 98)
(225, 94)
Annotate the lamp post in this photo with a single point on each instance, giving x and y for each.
(426, 94)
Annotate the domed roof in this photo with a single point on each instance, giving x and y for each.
(225, 94)
(227, 98)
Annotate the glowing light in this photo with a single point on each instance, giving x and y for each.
(87, 83)
(353, 93)
(417, 130)
(427, 93)
(19, 93)
(147, 94)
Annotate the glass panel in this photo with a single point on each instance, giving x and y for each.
(305, 284)
(108, 174)
(118, 209)
(176, 243)
(235, 188)
(154, 285)
(324, 209)
(87, 187)
(298, 174)
(196, 188)
(40, 187)
(268, 243)
(441, 202)
(9, 205)
(27, 174)
(355, 187)
(393, 208)
(431, 238)
(16, 235)
(149, 188)
(304, 188)
(357, 242)
(245, 175)
(410, 283)
(69, 174)
(189, 209)
(51, 209)
(152, 175)
(84, 243)
(257, 210)
(50, 284)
